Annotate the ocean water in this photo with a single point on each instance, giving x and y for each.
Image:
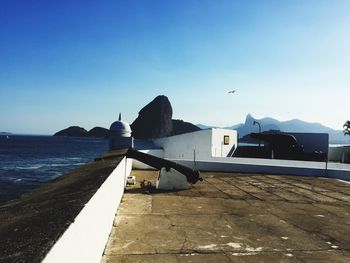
(29, 161)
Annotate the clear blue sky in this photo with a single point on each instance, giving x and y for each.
(80, 63)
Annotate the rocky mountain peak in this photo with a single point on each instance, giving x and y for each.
(249, 119)
(154, 120)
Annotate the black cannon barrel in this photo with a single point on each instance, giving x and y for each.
(158, 163)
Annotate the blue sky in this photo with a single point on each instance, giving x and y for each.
(66, 63)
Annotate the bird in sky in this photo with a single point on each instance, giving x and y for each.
(232, 91)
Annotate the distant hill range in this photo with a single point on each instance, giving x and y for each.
(6, 133)
(295, 125)
(203, 126)
(154, 121)
(180, 127)
(76, 131)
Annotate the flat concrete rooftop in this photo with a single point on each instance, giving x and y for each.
(234, 218)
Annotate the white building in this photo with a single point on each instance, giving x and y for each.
(202, 145)
(199, 145)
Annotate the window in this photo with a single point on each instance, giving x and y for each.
(226, 140)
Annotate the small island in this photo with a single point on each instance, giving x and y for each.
(76, 131)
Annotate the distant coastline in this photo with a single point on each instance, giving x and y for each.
(76, 131)
(6, 133)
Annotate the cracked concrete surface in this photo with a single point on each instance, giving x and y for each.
(234, 218)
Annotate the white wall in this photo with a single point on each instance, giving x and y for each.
(218, 148)
(86, 238)
(269, 166)
(205, 144)
(183, 146)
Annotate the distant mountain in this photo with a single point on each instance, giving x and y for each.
(6, 133)
(73, 131)
(295, 125)
(76, 131)
(180, 126)
(155, 121)
(98, 132)
(203, 127)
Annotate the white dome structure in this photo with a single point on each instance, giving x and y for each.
(120, 135)
(120, 128)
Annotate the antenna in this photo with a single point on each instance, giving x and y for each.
(120, 116)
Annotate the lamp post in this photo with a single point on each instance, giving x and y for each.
(257, 123)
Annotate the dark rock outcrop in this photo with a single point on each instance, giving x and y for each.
(98, 132)
(154, 120)
(180, 127)
(74, 131)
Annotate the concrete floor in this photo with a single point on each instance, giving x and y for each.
(234, 218)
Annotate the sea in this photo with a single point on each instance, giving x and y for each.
(27, 162)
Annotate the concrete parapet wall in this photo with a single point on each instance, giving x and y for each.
(86, 237)
(268, 166)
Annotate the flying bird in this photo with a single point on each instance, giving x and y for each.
(232, 91)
